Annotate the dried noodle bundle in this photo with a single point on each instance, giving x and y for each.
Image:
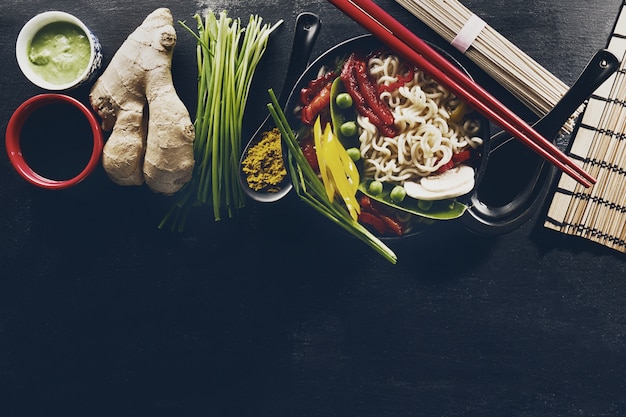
(526, 79)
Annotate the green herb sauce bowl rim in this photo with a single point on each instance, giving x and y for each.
(30, 29)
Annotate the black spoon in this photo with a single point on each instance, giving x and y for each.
(306, 31)
(516, 181)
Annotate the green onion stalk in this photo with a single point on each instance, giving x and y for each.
(311, 190)
(227, 55)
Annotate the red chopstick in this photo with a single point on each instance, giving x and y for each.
(398, 37)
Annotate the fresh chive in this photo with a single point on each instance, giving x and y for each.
(311, 190)
(227, 55)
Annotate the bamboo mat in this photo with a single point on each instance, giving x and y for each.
(598, 213)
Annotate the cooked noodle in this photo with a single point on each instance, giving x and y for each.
(427, 137)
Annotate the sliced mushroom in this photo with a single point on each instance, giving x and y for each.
(452, 183)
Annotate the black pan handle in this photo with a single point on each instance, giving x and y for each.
(308, 26)
(601, 66)
(516, 180)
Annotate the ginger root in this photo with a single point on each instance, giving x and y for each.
(152, 136)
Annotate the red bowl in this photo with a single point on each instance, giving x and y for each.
(13, 140)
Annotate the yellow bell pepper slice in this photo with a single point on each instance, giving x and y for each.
(339, 173)
(321, 161)
(349, 166)
(332, 153)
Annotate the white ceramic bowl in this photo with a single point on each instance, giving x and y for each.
(33, 26)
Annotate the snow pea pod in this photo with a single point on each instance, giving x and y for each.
(440, 210)
(339, 115)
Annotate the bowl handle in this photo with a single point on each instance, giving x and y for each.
(308, 26)
(516, 181)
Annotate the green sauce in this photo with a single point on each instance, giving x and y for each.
(60, 52)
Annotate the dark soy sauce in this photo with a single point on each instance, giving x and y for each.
(57, 141)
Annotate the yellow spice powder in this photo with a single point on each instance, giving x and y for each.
(263, 165)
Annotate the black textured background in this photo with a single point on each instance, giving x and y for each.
(101, 314)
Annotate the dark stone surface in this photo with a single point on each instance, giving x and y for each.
(278, 314)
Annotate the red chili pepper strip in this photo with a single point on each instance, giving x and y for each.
(372, 216)
(402, 80)
(308, 93)
(459, 158)
(349, 78)
(383, 88)
(448, 165)
(319, 103)
(370, 91)
(370, 219)
(367, 204)
(392, 225)
(308, 149)
(319, 83)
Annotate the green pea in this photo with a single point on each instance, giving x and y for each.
(424, 204)
(348, 129)
(375, 187)
(343, 100)
(397, 194)
(354, 154)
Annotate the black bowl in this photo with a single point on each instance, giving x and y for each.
(365, 44)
